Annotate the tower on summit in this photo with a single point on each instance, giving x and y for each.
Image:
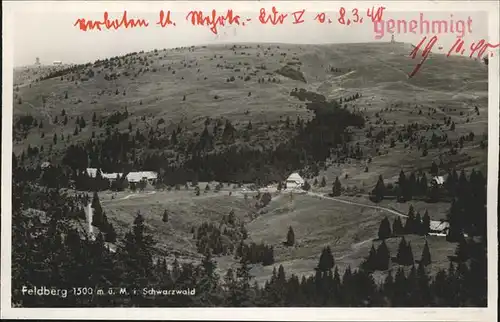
(37, 62)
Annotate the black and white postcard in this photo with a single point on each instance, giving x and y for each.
(250, 160)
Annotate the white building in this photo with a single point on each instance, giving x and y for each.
(132, 177)
(149, 176)
(57, 62)
(92, 172)
(439, 228)
(438, 180)
(112, 176)
(294, 181)
(45, 165)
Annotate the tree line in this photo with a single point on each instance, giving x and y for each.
(51, 249)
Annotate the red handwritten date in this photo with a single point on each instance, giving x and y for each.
(353, 16)
(476, 48)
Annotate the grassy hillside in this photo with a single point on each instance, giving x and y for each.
(258, 89)
(153, 85)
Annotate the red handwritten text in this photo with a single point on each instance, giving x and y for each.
(458, 47)
(481, 47)
(321, 17)
(376, 16)
(197, 18)
(274, 18)
(165, 19)
(354, 16)
(297, 15)
(85, 25)
(346, 21)
(425, 53)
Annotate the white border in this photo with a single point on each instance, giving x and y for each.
(254, 314)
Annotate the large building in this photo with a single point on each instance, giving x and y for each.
(294, 181)
(132, 177)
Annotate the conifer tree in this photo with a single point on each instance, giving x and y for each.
(418, 224)
(411, 283)
(397, 227)
(209, 282)
(110, 233)
(379, 190)
(97, 216)
(290, 237)
(242, 296)
(423, 185)
(426, 223)
(424, 290)
(136, 254)
(323, 182)
(412, 186)
(384, 230)
(410, 221)
(461, 252)
(434, 168)
(402, 249)
(400, 288)
(403, 186)
(426, 255)
(370, 263)
(409, 255)
(388, 285)
(383, 257)
(337, 188)
(326, 260)
(165, 216)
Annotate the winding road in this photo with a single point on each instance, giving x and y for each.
(392, 211)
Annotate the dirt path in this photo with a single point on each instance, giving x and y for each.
(392, 211)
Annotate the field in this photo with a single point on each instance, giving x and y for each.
(348, 229)
(182, 87)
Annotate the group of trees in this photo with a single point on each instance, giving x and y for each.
(100, 220)
(414, 224)
(255, 253)
(210, 238)
(49, 248)
(467, 213)
(407, 188)
(195, 156)
(412, 186)
(380, 259)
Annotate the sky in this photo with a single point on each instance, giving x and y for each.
(51, 35)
